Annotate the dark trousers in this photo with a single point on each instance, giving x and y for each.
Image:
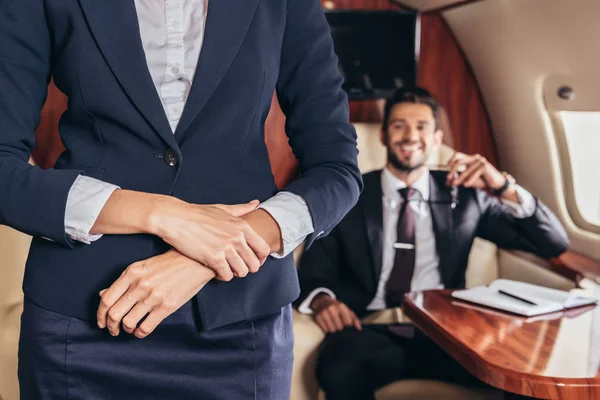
(354, 364)
(62, 358)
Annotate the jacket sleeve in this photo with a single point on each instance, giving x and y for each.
(541, 233)
(32, 201)
(322, 139)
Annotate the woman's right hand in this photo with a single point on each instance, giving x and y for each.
(213, 235)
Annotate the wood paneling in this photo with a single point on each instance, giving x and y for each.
(535, 356)
(443, 71)
(283, 162)
(48, 145)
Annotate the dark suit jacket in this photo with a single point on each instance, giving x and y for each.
(348, 261)
(115, 129)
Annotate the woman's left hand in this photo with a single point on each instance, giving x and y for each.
(157, 286)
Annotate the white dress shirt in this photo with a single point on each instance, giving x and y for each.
(426, 274)
(172, 33)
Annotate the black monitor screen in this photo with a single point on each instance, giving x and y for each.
(376, 51)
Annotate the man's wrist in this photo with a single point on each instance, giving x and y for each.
(321, 301)
(495, 180)
(511, 194)
(506, 188)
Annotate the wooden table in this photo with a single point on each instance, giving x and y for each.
(555, 356)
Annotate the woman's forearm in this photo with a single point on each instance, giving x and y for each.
(130, 212)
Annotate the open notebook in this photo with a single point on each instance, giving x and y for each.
(522, 298)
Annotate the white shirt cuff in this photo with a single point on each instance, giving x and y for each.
(85, 201)
(304, 307)
(291, 213)
(526, 206)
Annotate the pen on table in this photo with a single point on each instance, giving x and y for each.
(517, 297)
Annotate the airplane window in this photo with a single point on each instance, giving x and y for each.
(582, 131)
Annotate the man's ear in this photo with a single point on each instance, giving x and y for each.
(382, 137)
(438, 136)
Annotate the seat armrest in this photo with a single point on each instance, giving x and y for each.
(575, 266)
(570, 265)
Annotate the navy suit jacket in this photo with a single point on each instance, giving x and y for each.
(115, 129)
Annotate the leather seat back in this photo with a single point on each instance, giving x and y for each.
(14, 247)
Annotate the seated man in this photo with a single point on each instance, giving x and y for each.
(412, 229)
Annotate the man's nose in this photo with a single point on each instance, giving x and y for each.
(411, 134)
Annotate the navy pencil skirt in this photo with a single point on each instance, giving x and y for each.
(62, 357)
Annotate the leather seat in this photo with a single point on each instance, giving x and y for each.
(13, 253)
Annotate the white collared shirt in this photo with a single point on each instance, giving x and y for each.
(426, 274)
(172, 33)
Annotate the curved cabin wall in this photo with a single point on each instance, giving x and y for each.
(442, 69)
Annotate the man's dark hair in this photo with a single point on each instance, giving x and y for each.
(414, 95)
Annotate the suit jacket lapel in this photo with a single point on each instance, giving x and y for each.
(441, 214)
(226, 25)
(114, 25)
(373, 214)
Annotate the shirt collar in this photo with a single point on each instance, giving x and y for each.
(390, 184)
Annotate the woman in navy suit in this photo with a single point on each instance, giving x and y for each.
(161, 220)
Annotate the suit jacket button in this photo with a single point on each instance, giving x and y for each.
(171, 158)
